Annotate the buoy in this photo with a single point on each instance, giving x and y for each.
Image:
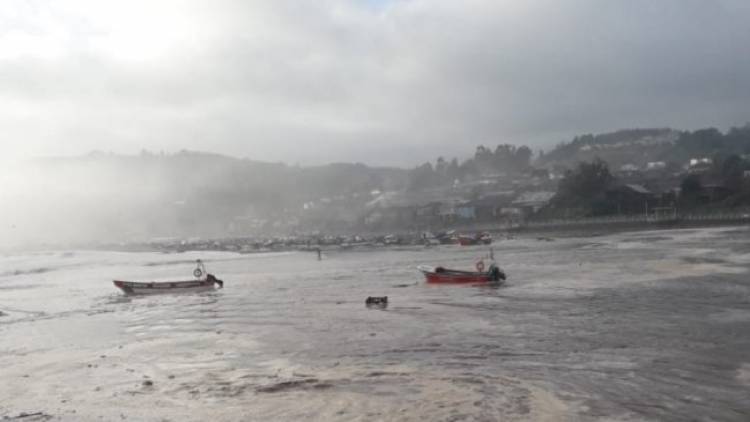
(480, 266)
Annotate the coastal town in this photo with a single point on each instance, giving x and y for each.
(450, 202)
(637, 178)
(713, 185)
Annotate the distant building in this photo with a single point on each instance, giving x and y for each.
(630, 198)
(700, 165)
(489, 206)
(447, 211)
(530, 202)
(699, 161)
(712, 192)
(540, 173)
(656, 165)
(428, 214)
(466, 211)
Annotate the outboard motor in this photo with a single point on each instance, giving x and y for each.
(496, 274)
(211, 278)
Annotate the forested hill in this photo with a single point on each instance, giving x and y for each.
(111, 196)
(183, 174)
(631, 146)
(640, 146)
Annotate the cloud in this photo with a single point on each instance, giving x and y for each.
(388, 82)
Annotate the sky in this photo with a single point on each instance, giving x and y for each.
(385, 82)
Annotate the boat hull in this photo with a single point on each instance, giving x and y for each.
(445, 276)
(142, 288)
(435, 278)
(470, 241)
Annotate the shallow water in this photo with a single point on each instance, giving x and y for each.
(639, 326)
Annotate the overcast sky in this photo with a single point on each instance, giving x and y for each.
(383, 82)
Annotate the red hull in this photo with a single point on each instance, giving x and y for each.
(470, 241)
(457, 279)
(445, 276)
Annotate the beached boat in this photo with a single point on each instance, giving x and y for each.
(203, 281)
(479, 239)
(443, 275)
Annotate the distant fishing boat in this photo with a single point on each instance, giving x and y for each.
(478, 239)
(493, 274)
(203, 281)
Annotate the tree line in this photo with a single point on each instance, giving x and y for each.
(583, 190)
(505, 159)
(632, 147)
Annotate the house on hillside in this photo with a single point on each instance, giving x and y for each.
(428, 214)
(395, 216)
(714, 192)
(405, 209)
(529, 203)
(656, 165)
(390, 209)
(699, 165)
(630, 198)
(489, 207)
(456, 211)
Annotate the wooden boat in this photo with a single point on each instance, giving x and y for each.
(479, 239)
(443, 275)
(200, 283)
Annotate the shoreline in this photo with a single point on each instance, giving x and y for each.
(398, 238)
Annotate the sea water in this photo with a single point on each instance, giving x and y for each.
(637, 326)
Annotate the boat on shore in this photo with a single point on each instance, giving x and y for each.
(203, 281)
(437, 275)
(478, 239)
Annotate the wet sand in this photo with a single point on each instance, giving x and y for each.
(626, 327)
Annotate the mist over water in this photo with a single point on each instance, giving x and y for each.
(639, 326)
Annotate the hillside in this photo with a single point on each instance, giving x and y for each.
(110, 196)
(631, 146)
(640, 146)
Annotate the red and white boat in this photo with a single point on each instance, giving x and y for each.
(478, 239)
(443, 275)
(203, 281)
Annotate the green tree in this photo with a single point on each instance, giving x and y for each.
(422, 177)
(503, 158)
(731, 172)
(484, 160)
(523, 158)
(584, 187)
(453, 170)
(690, 190)
(586, 181)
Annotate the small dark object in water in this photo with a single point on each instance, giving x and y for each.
(376, 300)
(148, 383)
(293, 385)
(23, 415)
